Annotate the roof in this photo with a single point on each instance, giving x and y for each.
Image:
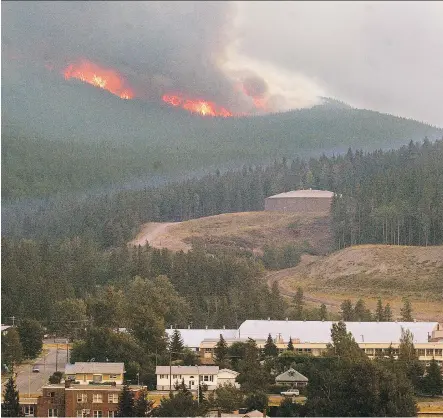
(187, 369)
(193, 337)
(320, 331)
(303, 193)
(228, 371)
(254, 413)
(291, 375)
(93, 367)
(5, 327)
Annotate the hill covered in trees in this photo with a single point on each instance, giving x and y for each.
(63, 136)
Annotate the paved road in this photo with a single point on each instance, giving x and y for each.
(31, 383)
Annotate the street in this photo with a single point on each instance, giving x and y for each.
(29, 383)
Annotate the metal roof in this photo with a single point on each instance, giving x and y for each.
(193, 337)
(5, 327)
(291, 375)
(93, 367)
(304, 193)
(187, 370)
(320, 331)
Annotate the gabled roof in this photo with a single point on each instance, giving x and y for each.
(291, 375)
(194, 370)
(320, 331)
(93, 367)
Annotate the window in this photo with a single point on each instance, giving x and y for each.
(52, 394)
(98, 414)
(113, 398)
(111, 414)
(97, 378)
(206, 378)
(80, 413)
(175, 376)
(164, 376)
(421, 352)
(438, 352)
(29, 410)
(113, 376)
(82, 397)
(52, 412)
(97, 398)
(191, 377)
(211, 378)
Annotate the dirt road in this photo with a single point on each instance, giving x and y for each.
(158, 235)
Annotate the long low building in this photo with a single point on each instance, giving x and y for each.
(312, 337)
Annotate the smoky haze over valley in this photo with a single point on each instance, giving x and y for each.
(385, 56)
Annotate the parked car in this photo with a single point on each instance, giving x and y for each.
(36, 369)
(291, 392)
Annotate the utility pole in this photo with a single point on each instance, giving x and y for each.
(198, 387)
(29, 382)
(170, 372)
(56, 359)
(67, 350)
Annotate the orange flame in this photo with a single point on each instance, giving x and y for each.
(203, 107)
(104, 78)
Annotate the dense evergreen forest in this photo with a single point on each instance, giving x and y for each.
(393, 197)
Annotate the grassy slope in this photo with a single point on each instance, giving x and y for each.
(367, 271)
(372, 271)
(246, 231)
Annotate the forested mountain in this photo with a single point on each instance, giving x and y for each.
(393, 197)
(63, 136)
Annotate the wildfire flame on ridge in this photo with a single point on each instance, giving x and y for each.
(107, 79)
(203, 107)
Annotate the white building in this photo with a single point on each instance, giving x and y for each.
(173, 375)
(226, 377)
(193, 337)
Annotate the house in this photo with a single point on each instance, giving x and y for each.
(193, 337)
(226, 377)
(169, 376)
(292, 378)
(5, 329)
(87, 372)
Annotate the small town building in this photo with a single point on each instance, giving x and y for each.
(169, 376)
(95, 372)
(291, 378)
(301, 201)
(192, 337)
(227, 377)
(79, 400)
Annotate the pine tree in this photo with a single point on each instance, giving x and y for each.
(360, 311)
(11, 406)
(406, 311)
(433, 380)
(298, 304)
(387, 313)
(270, 349)
(323, 312)
(221, 352)
(347, 311)
(126, 403)
(12, 351)
(379, 312)
(142, 406)
(290, 345)
(176, 345)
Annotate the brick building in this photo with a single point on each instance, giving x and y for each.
(76, 400)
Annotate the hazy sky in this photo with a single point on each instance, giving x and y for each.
(386, 56)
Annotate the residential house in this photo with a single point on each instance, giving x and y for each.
(291, 378)
(226, 377)
(92, 372)
(169, 376)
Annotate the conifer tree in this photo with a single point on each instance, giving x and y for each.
(379, 311)
(126, 403)
(298, 304)
(290, 345)
(221, 352)
(387, 314)
(347, 311)
(406, 311)
(323, 312)
(11, 406)
(142, 406)
(176, 345)
(433, 380)
(270, 349)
